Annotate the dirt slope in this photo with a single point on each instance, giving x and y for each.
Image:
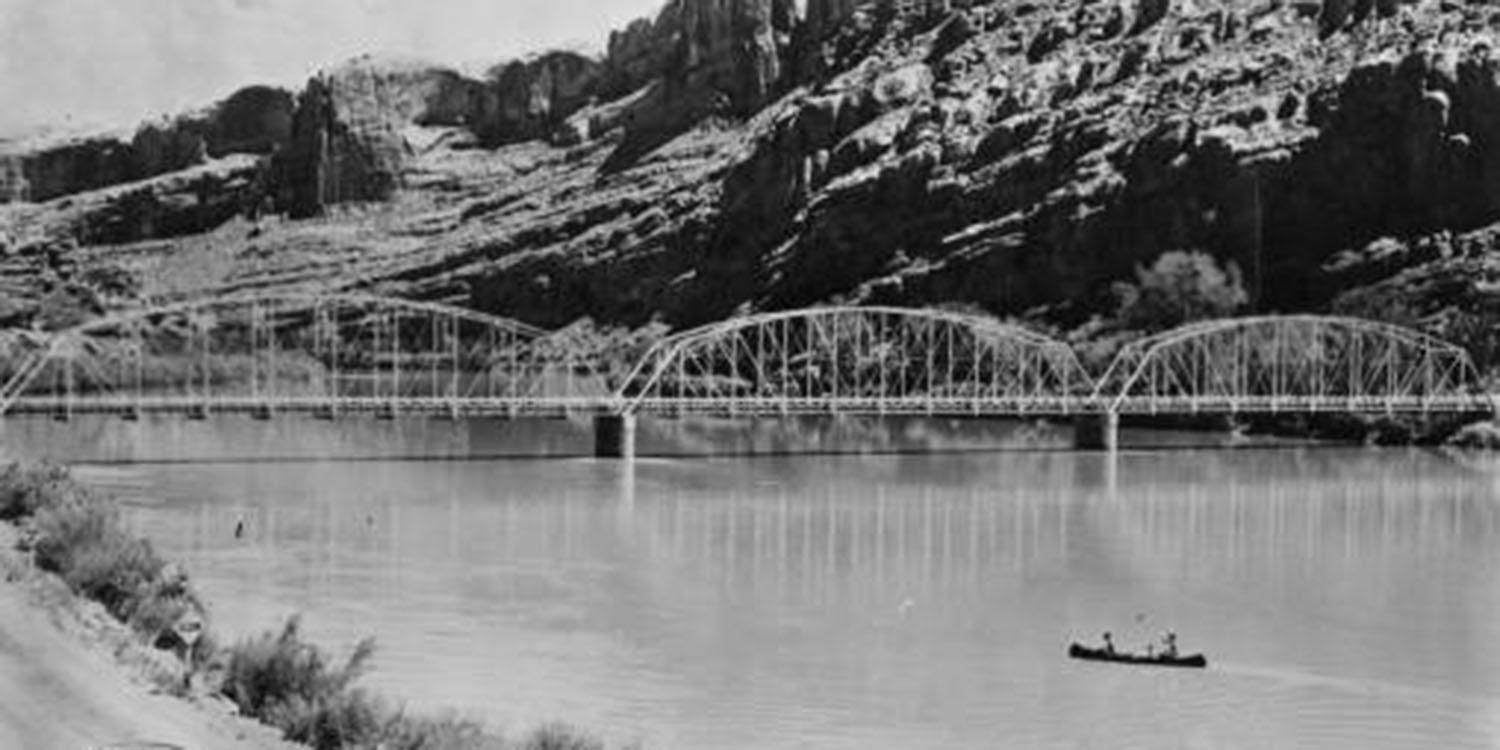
(61, 688)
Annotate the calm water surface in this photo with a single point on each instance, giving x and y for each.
(1347, 598)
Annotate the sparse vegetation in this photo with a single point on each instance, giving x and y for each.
(25, 489)
(276, 677)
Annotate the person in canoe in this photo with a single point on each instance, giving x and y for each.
(1109, 644)
(1169, 646)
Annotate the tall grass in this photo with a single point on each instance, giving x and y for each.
(276, 677)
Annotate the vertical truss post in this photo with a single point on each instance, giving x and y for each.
(883, 393)
(453, 360)
(254, 350)
(902, 383)
(931, 347)
(1390, 372)
(837, 365)
(205, 359)
(275, 388)
(336, 355)
(760, 361)
(948, 377)
(786, 356)
(1427, 386)
(433, 344)
(140, 366)
(393, 321)
(68, 379)
(1278, 361)
(491, 362)
(810, 343)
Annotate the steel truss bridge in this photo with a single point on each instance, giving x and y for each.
(336, 354)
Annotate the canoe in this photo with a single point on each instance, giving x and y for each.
(1098, 654)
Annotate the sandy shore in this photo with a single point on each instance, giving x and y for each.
(71, 678)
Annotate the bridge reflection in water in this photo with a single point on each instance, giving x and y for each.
(795, 543)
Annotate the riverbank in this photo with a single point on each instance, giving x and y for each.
(102, 642)
(72, 676)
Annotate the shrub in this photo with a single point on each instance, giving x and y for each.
(26, 489)
(559, 736)
(289, 683)
(420, 733)
(330, 722)
(81, 538)
(1178, 288)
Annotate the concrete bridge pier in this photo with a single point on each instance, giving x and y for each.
(1097, 432)
(614, 436)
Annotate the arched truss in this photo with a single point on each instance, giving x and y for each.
(302, 352)
(858, 360)
(1293, 363)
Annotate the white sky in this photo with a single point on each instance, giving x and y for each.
(106, 62)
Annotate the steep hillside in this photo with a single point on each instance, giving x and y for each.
(1022, 156)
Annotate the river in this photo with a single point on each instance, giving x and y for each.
(920, 594)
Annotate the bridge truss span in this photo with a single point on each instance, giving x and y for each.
(322, 353)
(858, 360)
(1291, 363)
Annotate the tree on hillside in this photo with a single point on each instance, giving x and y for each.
(1180, 287)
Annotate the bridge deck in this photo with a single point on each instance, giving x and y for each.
(547, 407)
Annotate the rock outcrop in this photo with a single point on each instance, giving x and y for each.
(532, 99)
(254, 120)
(702, 58)
(1016, 155)
(346, 142)
(73, 165)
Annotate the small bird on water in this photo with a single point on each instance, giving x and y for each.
(239, 528)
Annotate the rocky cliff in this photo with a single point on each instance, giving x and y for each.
(731, 155)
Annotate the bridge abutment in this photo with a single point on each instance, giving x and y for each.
(614, 436)
(1096, 432)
